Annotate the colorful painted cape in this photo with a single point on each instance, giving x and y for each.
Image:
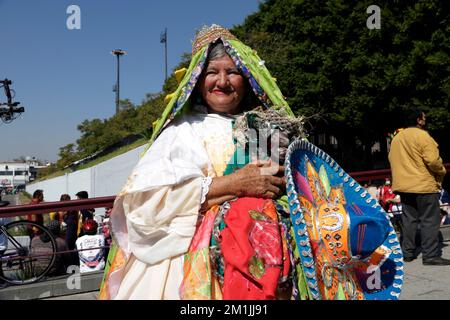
(349, 249)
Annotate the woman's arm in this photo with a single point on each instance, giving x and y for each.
(253, 180)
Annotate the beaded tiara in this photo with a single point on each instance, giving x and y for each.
(209, 34)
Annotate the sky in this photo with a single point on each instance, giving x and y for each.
(63, 76)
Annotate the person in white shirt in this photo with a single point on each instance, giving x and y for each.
(91, 248)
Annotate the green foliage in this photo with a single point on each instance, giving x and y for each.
(171, 84)
(67, 155)
(49, 171)
(327, 61)
(113, 154)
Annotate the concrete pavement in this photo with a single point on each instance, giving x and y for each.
(420, 282)
(63, 287)
(427, 282)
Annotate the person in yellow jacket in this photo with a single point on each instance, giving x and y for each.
(417, 175)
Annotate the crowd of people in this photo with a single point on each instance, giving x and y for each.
(82, 237)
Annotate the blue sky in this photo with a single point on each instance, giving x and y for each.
(64, 76)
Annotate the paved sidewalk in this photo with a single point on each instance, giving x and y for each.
(427, 282)
(420, 282)
(64, 287)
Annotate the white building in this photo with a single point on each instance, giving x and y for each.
(17, 174)
(104, 179)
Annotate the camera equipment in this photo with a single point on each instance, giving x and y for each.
(9, 111)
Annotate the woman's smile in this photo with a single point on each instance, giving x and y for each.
(222, 86)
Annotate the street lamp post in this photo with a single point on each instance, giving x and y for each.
(163, 39)
(118, 53)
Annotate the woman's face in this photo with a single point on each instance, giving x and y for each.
(222, 86)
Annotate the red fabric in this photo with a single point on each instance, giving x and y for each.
(386, 194)
(240, 238)
(286, 258)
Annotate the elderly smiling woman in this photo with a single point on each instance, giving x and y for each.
(204, 215)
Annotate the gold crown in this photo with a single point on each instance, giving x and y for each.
(210, 34)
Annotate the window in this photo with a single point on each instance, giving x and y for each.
(6, 173)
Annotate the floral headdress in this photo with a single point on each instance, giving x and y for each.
(246, 60)
(207, 35)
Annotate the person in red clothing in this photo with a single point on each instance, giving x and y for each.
(386, 196)
(38, 197)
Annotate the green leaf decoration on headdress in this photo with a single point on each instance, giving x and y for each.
(252, 66)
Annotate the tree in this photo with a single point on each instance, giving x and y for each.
(67, 155)
(91, 132)
(327, 61)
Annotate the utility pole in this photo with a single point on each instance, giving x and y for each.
(163, 39)
(118, 53)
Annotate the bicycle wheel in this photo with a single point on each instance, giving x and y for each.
(30, 252)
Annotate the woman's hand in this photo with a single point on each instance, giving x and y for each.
(259, 180)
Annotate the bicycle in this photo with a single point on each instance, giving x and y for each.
(27, 252)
